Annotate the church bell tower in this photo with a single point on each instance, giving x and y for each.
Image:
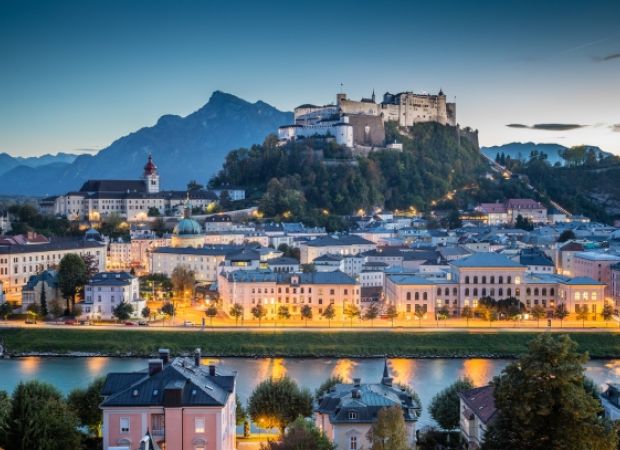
(151, 177)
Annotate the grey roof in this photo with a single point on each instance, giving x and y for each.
(481, 402)
(535, 259)
(409, 279)
(117, 186)
(196, 386)
(207, 250)
(328, 241)
(485, 259)
(56, 244)
(49, 277)
(282, 261)
(583, 280)
(111, 279)
(244, 254)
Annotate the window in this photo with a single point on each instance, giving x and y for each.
(408, 295)
(424, 296)
(476, 279)
(501, 280)
(199, 425)
(493, 279)
(124, 424)
(508, 279)
(417, 296)
(352, 415)
(466, 280)
(353, 443)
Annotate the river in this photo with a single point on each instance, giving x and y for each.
(425, 376)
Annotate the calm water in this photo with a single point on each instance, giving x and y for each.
(426, 376)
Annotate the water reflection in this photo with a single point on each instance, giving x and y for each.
(402, 370)
(344, 369)
(30, 366)
(479, 370)
(96, 366)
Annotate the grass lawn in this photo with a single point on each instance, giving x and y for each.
(308, 344)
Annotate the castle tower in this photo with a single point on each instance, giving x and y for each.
(373, 96)
(151, 177)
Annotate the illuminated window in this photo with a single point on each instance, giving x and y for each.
(199, 425)
(124, 424)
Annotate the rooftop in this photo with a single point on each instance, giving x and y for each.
(485, 259)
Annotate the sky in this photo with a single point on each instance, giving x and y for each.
(76, 75)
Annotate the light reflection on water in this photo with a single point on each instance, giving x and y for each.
(425, 376)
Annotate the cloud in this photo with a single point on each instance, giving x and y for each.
(607, 58)
(548, 126)
(615, 127)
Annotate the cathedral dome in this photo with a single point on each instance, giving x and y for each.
(187, 227)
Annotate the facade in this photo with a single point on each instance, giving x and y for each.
(615, 284)
(106, 290)
(204, 261)
(335, 245)
(275, 289)
(131, 199)
(477, 412)
(119, 255)
(493, 275)
(595, 265)
(180, 404)
(19, 262)
(526, 208)
(32, 292)
(347, 412)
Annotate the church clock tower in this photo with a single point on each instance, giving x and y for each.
(151, 177)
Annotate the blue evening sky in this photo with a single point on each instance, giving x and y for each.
(79, 74)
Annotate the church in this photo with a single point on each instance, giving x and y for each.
(130, 199)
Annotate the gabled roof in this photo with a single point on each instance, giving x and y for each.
(328, 241)
(571, 247)
(114, 186)
(111, 279)
(196, 387)
(480, 402)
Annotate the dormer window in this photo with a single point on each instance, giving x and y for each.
(352, 415)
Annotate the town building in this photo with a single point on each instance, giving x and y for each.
(106, 290)
(274, 289)
(477, 412)
(595, 265)
(504, 213)
(333, 244)
(18, 262)
(32, 292)
(347, 411)
(134, 200)
(179, 404)
(615, 284)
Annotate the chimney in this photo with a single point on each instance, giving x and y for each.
(357, 382)
(155, 366)
(164, 355)
(211, 370)
(197, 357)
(355, 393)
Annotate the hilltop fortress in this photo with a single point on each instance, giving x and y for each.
(360, 123)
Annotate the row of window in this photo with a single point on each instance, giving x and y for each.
(500, 279)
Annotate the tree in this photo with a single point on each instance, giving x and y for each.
(72, 276)
(193, 185)
(183, 279)
(327, 385)
(43, 301)
(301, 435)
(259, 312)
(388, 432)
(236, 311)
(122, 311)
(40, 419)
(278, 402)
(284, 313)
(442, 314)
(468, 313)
(391, 313)
(308, 268)
(538, 312)
(5, 416)
(523, 223)
(582, 314)
(371, 312)
(5, 310)
(542, 403)
(419, 314)
(306, 313)
(153, 212)
(168, 309)
(225, 200)
(445, 405)
(34, 310)
(561, 313)
(607, 313)
(146, 312)
(85, 404)
(566, 235)
(329, 313)
(211, 312)
(351, 311)
(92, 265)
(241, 414)
(55, 309)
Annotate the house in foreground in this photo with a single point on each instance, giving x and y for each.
(173, 404)
(347, 412)
(477, 412)
(106, 290)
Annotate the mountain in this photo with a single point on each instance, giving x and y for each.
(183, 148)
(522, 150)
(8, 162)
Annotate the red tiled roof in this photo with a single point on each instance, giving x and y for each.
(523, 203)
(492, 207)
(481, 402)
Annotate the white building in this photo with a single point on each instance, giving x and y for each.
(334, 245)
(106, 290)
(205, 261)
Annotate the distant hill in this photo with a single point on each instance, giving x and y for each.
(184, 148)
(8, 162)
(522, 151)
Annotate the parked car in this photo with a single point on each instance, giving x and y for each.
(143, 323)
(84, 322)
(70, 322)
(188, 323)
(129, 324)
(30, 321)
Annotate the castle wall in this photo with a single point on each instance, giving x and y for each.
(354, 107)
(367, 130)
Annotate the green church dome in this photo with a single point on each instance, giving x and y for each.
(187, 227)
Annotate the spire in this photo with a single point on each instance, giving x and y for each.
(386, 371)
(150, 168)
(373, 95)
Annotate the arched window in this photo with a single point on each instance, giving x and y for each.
(577, 295)
(417, 296)
(544, 291)
(475, 279)
(492, 279)
(517, 292)
(484, 292)
(509, 292)
(424, 296)
(447, 291)
(467, 280)
(594, 296)
(454, 291)
(492, 292)
(408, 295)
(552, 291)
(501, 280)
(353, 443)
(500, 292)
(508, 279)
(535, 291)
(438, 291)
(484, 279)
(528, 291)
(467, 291)
(475, 292)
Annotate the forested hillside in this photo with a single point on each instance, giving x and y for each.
(313, 180)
